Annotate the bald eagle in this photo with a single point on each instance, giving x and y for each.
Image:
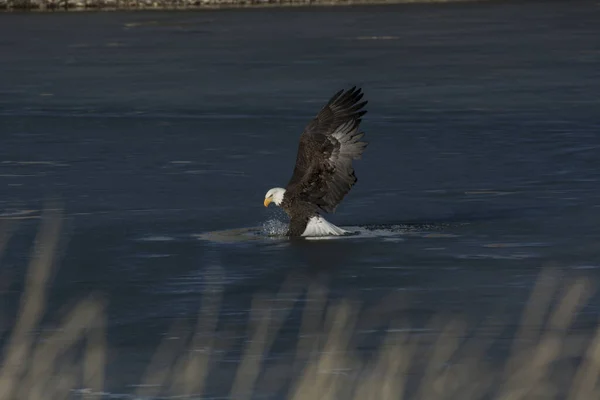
(323, 174)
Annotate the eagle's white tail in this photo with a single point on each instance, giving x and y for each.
(318, 226)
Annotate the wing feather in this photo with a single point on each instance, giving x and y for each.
(323, 174)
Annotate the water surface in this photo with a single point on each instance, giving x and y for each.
(156, 129)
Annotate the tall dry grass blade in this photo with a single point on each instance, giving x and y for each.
(385, 379)
(64, 380)
(47, 354)
(532, 318)
(32, 305)
(94, 363)
(433, 384)
(197, 368)
(5, 233)
(472, 377)
(288, 295)
(380, 314)
(399, 353)
(310, 326)
(162, 365)
(249, 368)
(585, 383)
(530, 374)
(321, 377)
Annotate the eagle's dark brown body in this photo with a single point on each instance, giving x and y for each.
(323, 174)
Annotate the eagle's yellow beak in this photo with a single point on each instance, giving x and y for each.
(268, 201)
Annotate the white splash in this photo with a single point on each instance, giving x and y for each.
(274, 227)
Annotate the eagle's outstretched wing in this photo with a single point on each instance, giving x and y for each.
(323, 174)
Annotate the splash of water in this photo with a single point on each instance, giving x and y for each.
(274, 227)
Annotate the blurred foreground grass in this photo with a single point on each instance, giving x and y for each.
(547, 359)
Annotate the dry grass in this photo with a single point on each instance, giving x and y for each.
(547, 359)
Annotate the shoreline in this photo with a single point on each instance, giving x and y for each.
(7, 6)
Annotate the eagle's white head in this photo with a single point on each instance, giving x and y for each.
(274, 195)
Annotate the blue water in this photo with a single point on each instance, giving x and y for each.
(160, 132)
